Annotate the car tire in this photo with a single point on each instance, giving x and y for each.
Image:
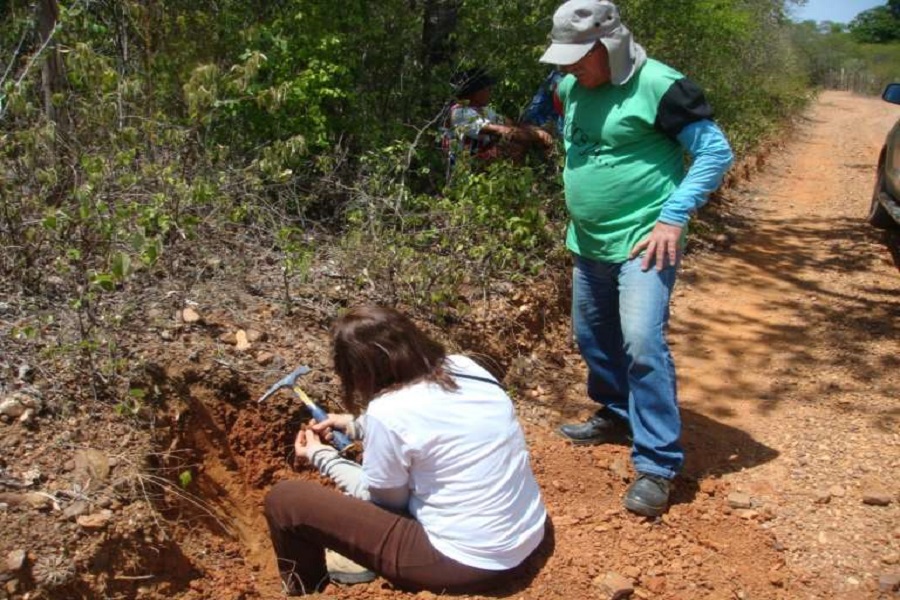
(878, 215)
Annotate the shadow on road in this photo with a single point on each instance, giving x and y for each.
(807, 300)
(713, 449)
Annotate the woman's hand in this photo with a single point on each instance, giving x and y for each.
(341, 421)
(307, 443)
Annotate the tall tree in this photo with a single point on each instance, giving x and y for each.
(53, 75)
(879, 25)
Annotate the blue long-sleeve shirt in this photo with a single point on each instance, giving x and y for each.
(712, 157)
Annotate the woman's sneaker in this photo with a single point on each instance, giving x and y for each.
(343, 570)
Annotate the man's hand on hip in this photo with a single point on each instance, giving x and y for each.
(661, 246)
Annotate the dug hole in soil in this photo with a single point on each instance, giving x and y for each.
(784, 331)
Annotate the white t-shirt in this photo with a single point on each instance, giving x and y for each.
(464, 458)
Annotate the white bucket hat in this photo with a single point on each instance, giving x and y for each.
(579, 24)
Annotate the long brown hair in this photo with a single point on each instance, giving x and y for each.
(377, 349)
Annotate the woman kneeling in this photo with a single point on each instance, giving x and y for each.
(445, 499)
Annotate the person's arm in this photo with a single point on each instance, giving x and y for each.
(685, 116)
(712, 157)
(346, 474)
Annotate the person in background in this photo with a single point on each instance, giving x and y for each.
(445, 499)
(482, 130)
(628, 121)
(544, 109)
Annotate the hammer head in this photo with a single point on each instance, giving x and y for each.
(288, 381)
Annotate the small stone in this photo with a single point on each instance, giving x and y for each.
(776, 578)
(891, 558)
(613, 586)
(33, 499)
(254, 336)
(95, 521)
(189, 315)
(15, 560)
(75, 510)
(739, 500)
(709, 487)
(91, 467)
(877, 498)
(228, 338)
(837, 491)
(265, 358)
(822, 497)
(241, 340)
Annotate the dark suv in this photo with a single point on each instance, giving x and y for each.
(885, 209)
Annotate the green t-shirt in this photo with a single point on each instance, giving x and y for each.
(620, 167)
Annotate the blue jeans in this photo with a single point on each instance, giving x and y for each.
(620, 315)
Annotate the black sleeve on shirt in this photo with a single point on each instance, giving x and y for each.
(682, 104)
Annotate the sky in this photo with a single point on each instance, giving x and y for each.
(839, 11)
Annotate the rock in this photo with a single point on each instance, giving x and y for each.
(75, 510)
(613, 586)
(746, 513)
(16, 404)
(264, 358)
(254, 336)
(891, 558)
(739, 500)
(837, 491)
(241, 340)
(15, 560)
(889, 582)
(877, 498)
(709, 487)
(822, 497)
(189, 315)
(91, 467)
(97, 520)
(32, 499)
(776, 578)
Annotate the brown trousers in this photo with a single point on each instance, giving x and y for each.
(305, 518)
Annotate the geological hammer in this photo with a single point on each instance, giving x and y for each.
(339, 440)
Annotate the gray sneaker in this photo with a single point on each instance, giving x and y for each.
(648, 495)
(343, 570)
(601, 428)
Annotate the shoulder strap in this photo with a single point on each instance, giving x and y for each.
(477, 378)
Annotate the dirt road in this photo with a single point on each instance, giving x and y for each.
(792, 335)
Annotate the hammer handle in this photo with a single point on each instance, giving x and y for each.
(339, 439)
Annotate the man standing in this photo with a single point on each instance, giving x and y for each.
(628, 121)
